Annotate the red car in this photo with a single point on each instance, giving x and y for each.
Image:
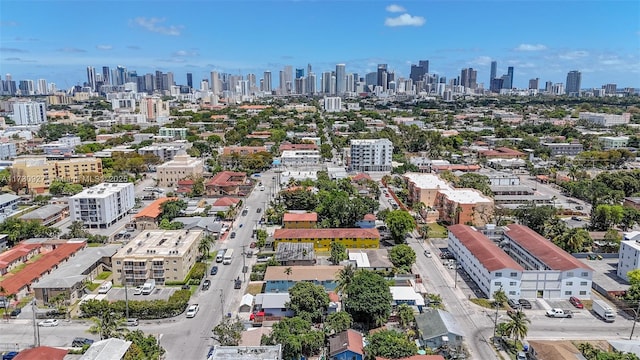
(386, 195)
(576, 302)
(256, 314)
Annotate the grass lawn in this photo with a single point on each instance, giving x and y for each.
(437, 231)
(103, 275)
(94, 244)
(255, 288)
(17, 269)
(92, 286)
(486, 303)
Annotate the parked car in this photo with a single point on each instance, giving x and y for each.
(132, 322)
(48, 323)
(9, 355)
(193, 310)
(521, 356)
(258, 210)
(15, 312)
(206, 284)
(427, 253)
(524, 303)
(252, 245)
(237, 284)
(514, 305)
(233, 235)
(576, 302)
(80, 342)
(214, 270)
(137, 290)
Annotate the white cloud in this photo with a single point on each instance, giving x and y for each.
(481, 60)
(104, 47)
(395, 8)
(183, 53)
(530, 47)
(154, 25)
(572, 55)
(404, 20)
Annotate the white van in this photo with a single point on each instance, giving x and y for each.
(105, 287)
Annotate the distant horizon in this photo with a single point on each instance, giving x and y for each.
(540, 39)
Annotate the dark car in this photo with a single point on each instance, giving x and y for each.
(576, 302)
(15, 312)
(233, 235)
(80, 342)
(206, 284)
(524, 303)
(258, 210)
(237, 284)
(513, 304)
(214, 270)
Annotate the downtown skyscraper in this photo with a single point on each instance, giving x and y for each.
(341, 80)
(572, 87)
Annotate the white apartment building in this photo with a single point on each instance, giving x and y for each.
(370, 155)
(614, 142)
(166, 151)
(162, 255)
(550, 272)
(606, 119)
(176, 133)
(300, 158)
(489, 267)
(7, 151)
(154, 108)
(628, 258)
(102, 205)
(182, 166)
(332, 104)
(29, 113)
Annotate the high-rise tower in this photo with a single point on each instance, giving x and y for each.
(494, 71)
(341, 80)
(574, 79)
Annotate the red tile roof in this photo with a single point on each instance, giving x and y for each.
(333, 297)
(42, 352)
(31, 272)
(456, 167)
(502, 151)
(361, 176)
(485, 250)
(186, 182)
(544, 250)
(228, 178)
(353, 233)
(347, 340)
(370, 217)
(226, 201)
(15, 253)
(300, 217)
(154, 209)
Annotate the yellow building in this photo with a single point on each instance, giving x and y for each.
(300, 221)
(37, 173)
(322, 238)
(162, 255)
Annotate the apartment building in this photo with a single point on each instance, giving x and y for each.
(102, 205)
(38, 173)
(29, 113)
(564, 149)
(614, 142)
(550, 272)
(487, 265)
(300, 221)
(182, 166)
(628, 258)
(166, 151)
(606, 120)
(297, 158)
(8, 150)
(370, 155)
(176, 133)
(162, 255)
(354, 238)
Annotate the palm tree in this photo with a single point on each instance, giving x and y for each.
(405, 315)
(518, 325)
(109, 325)
(204, 246)
(344, 278)
(288, 271)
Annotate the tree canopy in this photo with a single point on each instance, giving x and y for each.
(403, 257)
(338, 252)
(390, 344)
(296, 336)
(368, 298)
(228, 332)
(400, 222)
(308, 301)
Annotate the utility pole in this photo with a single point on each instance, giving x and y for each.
(222, 302)
(126, 294)
(244, 259)
(36, 330)
(635, 319)
(495, 320)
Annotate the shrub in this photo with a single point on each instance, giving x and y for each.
(197, 272)
(155, 309)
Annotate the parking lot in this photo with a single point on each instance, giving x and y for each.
(157, 294)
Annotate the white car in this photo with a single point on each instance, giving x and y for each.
(137, 290)
(193, 310)
(48, 323)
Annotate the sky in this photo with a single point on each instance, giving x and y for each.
(545, 39)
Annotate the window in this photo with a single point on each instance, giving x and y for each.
(512, 283)
(567, 292)
(118, 262)
(569, 283)
(514, 274)
(512, 292)
(498, 274)
(585, 274)
(583, 283)
(497, 283)
(570, 273)
(583, 293)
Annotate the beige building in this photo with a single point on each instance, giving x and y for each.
(182, 166)
(38, 173)
(162, 255)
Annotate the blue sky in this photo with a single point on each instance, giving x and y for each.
(57, 40)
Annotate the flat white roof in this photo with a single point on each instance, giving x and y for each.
(632, 243)
(427, 181)
(465, 196)
(102, 190)
(369, 141)
(159, 243)
(361, 259)
(406, 293)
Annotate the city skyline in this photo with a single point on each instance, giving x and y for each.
(174, 38)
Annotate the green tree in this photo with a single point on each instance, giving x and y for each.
(338, 322)
(296, 336)
(108, 325)
(518, 325)
(308, 301)
(172, 209)
(406, 316)
(634, 277)
(228, 332)
(368, 299)
(573, 240)
(344, 278)
(475, 181)
(534, 216)
(147, 347)
(261, 236)
(389, 344)
(605, 216)
(402, 257)
(400, 222)
(76, 230)
(500, 297)
(204, 246)
(338, 252)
